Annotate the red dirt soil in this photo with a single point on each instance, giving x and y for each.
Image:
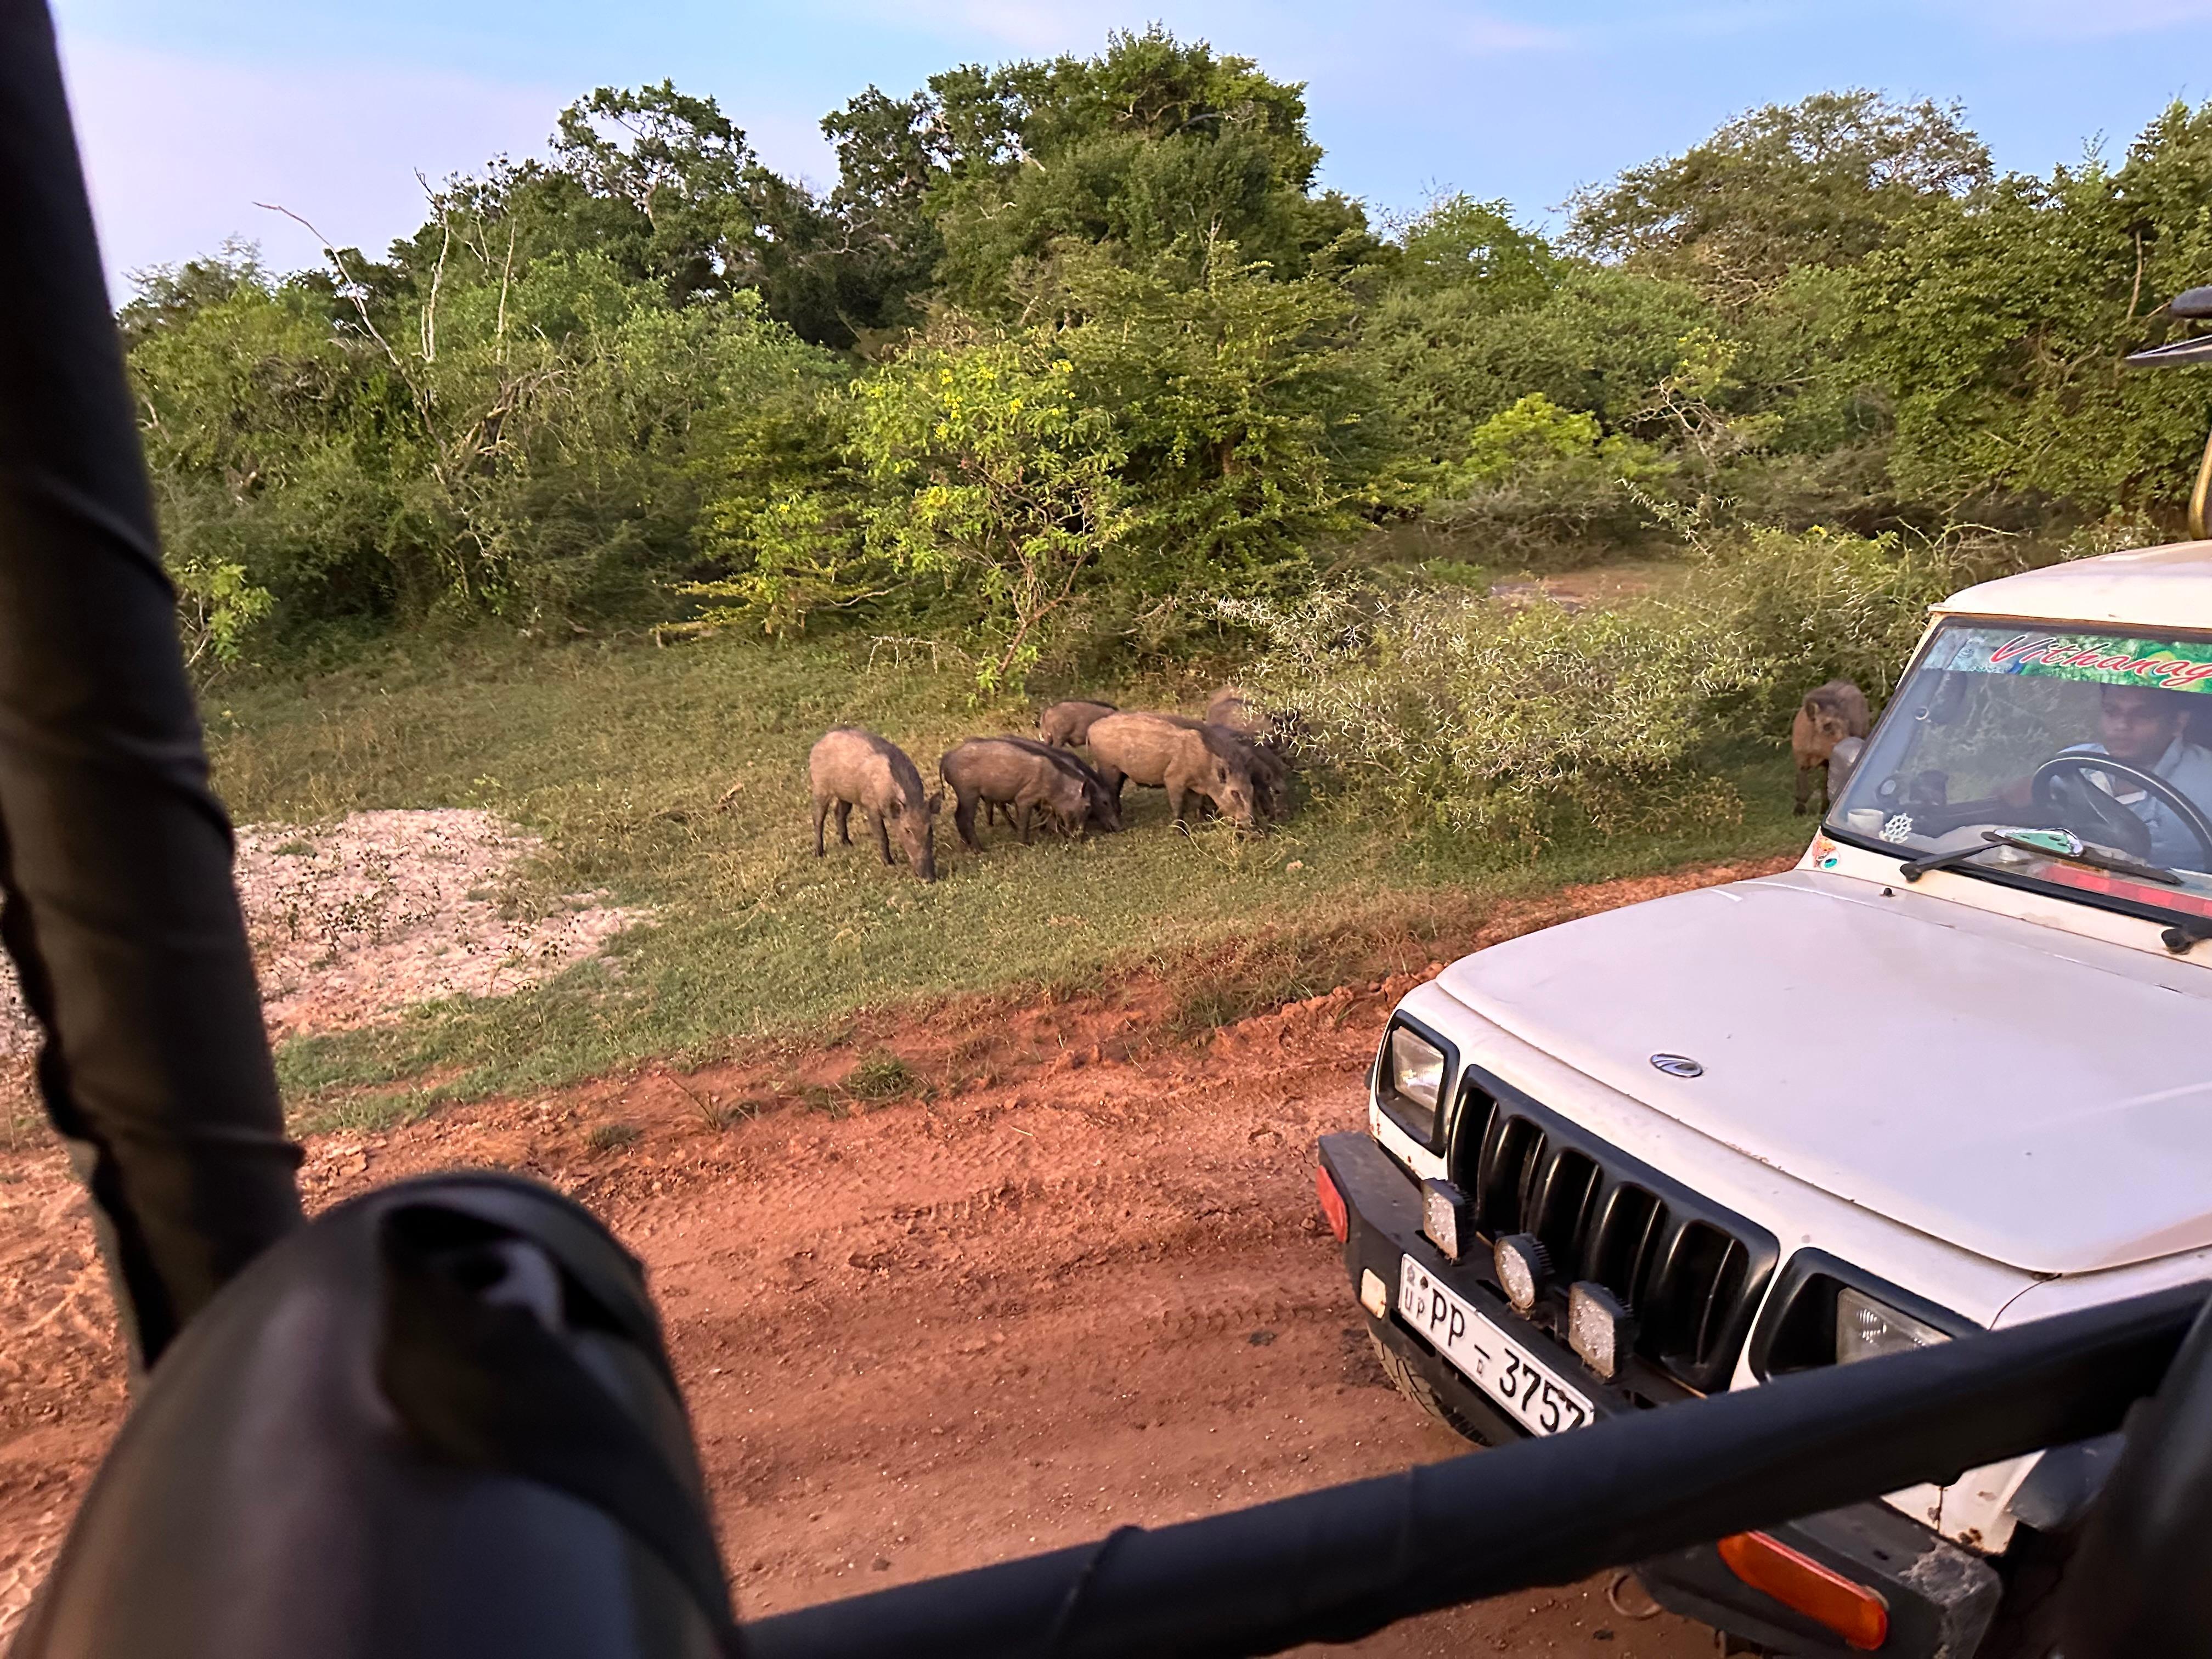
(1070, 1280)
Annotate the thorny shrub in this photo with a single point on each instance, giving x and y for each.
(1522, 724)
(1506, 723)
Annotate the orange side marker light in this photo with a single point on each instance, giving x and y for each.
(1332, 1204)
(1854, 1612)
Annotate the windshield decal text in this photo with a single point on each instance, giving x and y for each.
(2175, 666)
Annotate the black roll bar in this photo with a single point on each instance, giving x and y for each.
(116, 901)
(117, 906)
(1336, 1564)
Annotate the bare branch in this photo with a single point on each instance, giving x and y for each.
(354, 291)
(438, 272)
(506, 276)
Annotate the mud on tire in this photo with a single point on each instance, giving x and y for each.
(1415, 1387)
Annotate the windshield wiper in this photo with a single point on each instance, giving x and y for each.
(2185, 930)
(2118, 864)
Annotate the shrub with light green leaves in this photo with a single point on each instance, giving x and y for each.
(1513, 723)
(1535, 475)
(1526, 722)
(1803, 608)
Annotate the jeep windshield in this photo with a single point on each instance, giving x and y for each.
(2087, 741)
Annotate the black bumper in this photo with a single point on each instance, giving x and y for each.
(1940, 1597)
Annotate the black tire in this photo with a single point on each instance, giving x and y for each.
(1415, 1387)
(2027, 1624)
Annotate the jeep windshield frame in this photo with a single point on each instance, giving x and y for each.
(1994, 703)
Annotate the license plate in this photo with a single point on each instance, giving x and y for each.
(1531, 1392)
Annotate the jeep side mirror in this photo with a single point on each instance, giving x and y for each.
(2191, 302)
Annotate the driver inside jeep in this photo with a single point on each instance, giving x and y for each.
(2079, 760)
(2148, 729)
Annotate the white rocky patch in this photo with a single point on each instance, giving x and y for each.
(353, 921)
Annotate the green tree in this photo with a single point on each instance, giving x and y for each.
(1154, 148)
(991, 475)
(1999, 322)
(1450, 358)
(1822, 181)
(1249, 431)
(1460, 245)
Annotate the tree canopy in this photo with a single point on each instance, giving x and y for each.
(1071, 345)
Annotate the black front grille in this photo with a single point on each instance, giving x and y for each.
(1689, 1270)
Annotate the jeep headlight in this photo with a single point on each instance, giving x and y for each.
(1867, 1329)
(1412, 1081)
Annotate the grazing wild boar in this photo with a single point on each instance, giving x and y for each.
(1103, 811)
(1261, 767)
(1828, 716)
(851, 768)
(1162, 752)
(1066, 724)
(1276, 730)
(1012, 774)
(1271, 779)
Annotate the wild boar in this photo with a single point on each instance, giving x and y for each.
(1103, 811)
(850, 768)
(1271, 779)
(1162, 752)
(1261, 768)
(1276, 730)
(1847, 700)
(1067, 724)
(1014, 775)
(1828, 716)
(1230, 706)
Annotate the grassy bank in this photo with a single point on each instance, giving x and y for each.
(618, 755)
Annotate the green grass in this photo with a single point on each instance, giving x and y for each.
(618, 755)
(880, 1077)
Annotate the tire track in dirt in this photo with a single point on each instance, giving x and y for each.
(1082, 1287)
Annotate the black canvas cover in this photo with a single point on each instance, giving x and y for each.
(439, 1421)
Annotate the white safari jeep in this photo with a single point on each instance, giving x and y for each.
(1953, 1071)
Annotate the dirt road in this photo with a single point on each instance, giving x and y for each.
(1069, 1280)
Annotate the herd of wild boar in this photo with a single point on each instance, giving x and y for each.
(1231, 758)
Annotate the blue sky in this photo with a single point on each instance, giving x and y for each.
(190, 111)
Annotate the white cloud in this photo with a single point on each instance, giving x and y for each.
(177, 150)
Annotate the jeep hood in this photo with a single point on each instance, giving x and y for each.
(2043, 1100)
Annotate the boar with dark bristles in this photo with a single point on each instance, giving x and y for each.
(1828, 716)
(1067, 724)
(851, 768)
(1103, 810)
(1015, 774)
(1261, 767)
(1232, 707)
(1165, 752)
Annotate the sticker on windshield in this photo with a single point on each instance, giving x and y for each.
(2173, 664)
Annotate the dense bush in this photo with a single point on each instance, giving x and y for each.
(1535, 477)
(1147, 437)
(1510, 724)
(1519, 724)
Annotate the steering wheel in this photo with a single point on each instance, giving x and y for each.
(2107, 820)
